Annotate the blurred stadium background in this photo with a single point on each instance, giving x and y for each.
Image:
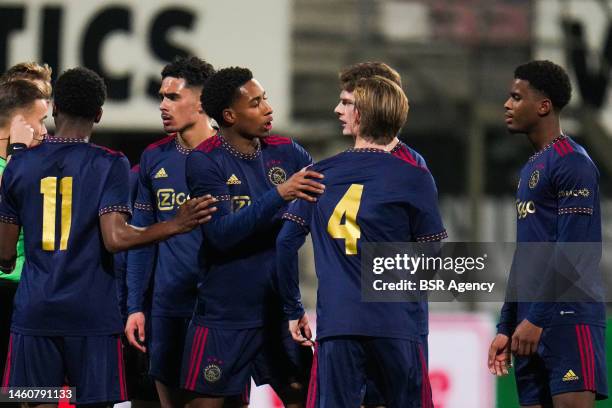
(456, 58)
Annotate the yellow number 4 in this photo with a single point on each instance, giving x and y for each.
(347, 208)
(48, 188)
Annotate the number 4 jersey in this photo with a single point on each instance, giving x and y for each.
(370, 196)
(56, 192)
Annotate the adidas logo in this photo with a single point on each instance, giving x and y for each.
(233, 180)
(570, 376)
(161, 174)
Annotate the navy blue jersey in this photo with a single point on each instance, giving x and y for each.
(370, 196)
(557, 201)
(57, 192)
(162, 188)
(120, 258)
(237, 276)
(407, 153)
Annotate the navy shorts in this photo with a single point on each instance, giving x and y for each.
(140, 385)
(373, 397)
(343, 365)
(166, 344)
(568, 359)
(221, 362)
(92, 364)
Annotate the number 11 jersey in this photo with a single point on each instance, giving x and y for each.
(56, 192)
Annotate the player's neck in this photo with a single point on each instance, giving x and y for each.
(74, 130)
(361, 143)
(544, 134)
(199, 132)
(239, 142)
(4, 135)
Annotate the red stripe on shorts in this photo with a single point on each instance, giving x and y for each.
(312, 387)
(194, 354)
(7, 366)
(199, 358)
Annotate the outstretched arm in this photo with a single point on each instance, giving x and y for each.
(118, 235)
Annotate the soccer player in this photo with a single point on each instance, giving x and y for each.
(558, 346)
(20, 125)
(237, 331)
(349, 77)
(162, 188)
(140, 386)
(72, 200)
(370, 196)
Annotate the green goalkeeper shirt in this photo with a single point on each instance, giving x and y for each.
(16, 274)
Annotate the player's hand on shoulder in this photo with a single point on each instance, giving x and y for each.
(301, 185)
(135, 331)
(526, 338)
(300, 331)
(20, 131)
(194, 212)
(500, 359)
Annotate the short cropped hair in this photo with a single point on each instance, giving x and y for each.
(382, 107)
(193, 70)
(350, 75)
(80, 92)
(17, 94)
(222, 90)
(549, 79)
(30, 71)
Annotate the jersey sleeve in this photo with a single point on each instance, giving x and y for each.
(145, 199)
(116, 194)
(227, 229)
(576, 181)
(507, 319)
(300, 212)
(9, 208)
(141, 261)
(288, 243)
(302, 157)
(425, 218)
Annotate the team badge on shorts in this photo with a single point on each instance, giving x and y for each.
(212, 373)
(533, 180)
(277, 175)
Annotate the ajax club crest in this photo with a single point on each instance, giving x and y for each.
(533, 180)
(212, 373)
(277, 175)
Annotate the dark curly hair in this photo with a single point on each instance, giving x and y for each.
(222, 89)
(193, 70)
(548, 78)
(79, 92)
(351, 74)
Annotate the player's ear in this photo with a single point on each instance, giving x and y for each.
(545, 107)
(200, 107)
(98, 116)
(229, 116)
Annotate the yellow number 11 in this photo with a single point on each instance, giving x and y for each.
(347, 207)
(48, 188)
